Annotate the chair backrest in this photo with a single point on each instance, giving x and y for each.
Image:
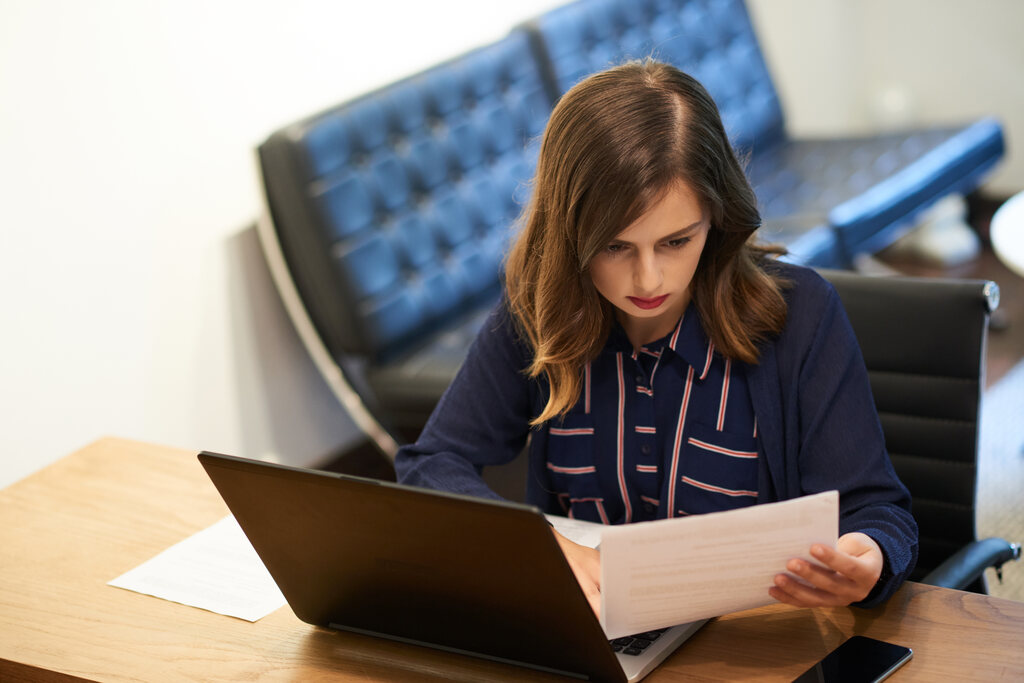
(712, 40)
(394, 210)
(923, 342)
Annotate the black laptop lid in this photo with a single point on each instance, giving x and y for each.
(460, 573)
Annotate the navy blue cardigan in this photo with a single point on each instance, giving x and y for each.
(817, 423)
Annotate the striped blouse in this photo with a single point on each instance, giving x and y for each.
(671, 431)
(664, 431)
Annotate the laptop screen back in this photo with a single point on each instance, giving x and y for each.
(459, 573)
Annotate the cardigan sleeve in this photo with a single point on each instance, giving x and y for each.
(482, 418)
(842, 445)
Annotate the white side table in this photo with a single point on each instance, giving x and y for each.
(1006, 232)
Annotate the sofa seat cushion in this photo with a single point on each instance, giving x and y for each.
(865, 188)
(408, 388)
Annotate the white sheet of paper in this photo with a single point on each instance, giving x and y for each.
(578, 530)
(673, 571)
(215, 569)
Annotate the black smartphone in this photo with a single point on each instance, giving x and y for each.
(858, 660)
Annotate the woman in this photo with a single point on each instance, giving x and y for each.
(661, 364)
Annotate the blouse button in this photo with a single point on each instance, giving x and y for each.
(645, 449)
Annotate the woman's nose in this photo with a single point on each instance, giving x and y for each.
(647, 277)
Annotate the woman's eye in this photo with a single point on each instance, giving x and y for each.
(678, 242)
(614, 248)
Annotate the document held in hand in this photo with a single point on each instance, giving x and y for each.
(673, 571)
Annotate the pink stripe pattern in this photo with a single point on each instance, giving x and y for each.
(720, 449)
(707, 361)
(674, 341)
(718, 489)
(674, 470)
(620, 441)
(725, 395)
(588, 469)
(578, 431)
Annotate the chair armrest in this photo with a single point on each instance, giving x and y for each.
(970, 561)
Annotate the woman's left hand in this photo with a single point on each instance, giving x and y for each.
(851, 570)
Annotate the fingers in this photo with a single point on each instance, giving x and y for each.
(852, 566)
(849, 573)
(814, 587)
(791, 592)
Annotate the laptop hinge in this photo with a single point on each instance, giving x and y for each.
(468, 653)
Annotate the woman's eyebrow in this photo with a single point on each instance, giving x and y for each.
(683, 232)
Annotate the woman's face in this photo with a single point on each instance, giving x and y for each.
(645, 271)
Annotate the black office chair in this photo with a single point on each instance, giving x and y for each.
(923, 341)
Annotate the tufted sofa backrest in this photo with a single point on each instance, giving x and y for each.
(394, 210)
(712, 40)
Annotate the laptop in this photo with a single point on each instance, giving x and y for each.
(462, 574)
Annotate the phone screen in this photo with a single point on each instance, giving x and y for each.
(858, 660)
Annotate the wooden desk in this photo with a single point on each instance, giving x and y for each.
(88, 518)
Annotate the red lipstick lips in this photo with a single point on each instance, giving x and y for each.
(648, 304)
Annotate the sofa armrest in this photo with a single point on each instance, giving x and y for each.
(961, 569)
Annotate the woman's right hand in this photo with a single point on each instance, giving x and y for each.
(586, 565)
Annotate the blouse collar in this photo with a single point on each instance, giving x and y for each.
(687, 340)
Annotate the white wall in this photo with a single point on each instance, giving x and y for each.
(133, 299)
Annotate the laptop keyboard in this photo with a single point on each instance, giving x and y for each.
(636, 644)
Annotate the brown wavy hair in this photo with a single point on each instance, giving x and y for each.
(614, 144)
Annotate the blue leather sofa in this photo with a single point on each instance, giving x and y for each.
(387, 221)
(387, 217)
